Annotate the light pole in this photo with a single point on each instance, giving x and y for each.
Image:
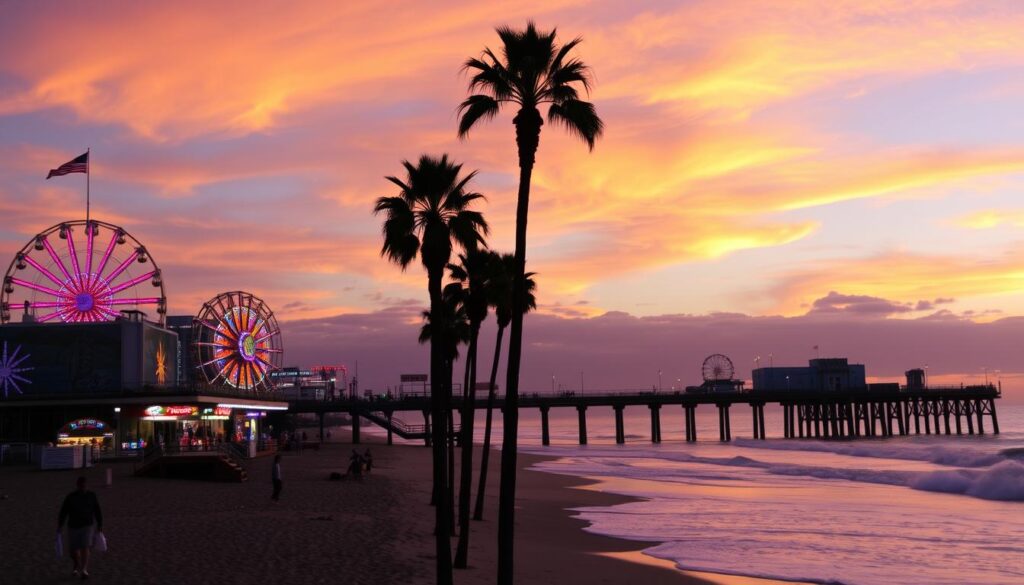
(552, 383)
(771, 360)
(787, 383)
(659, 380)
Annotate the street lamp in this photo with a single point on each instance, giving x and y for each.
(659, 380)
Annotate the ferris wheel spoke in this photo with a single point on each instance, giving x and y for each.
(264, 362)
(56, 259)
(42, 269)
(267, 336)
(47, 304)
(106, 255)
(50, 316)
(212, 328)
(40, 288)
(77, 275)
(123, 266)
(134, 301)
(212, 344)
(269, 350)
(132, 282)
(238, 375)
(88, 250)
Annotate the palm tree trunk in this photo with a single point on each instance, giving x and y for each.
(485, 454)
(451, 451)
(528, 123)
(438, 409)
(466, 479)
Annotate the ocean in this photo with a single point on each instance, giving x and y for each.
(917, 510)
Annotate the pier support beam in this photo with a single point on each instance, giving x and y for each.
(545, 432)
(581, 411)
(945, 415)
(724, 425)
(898, 411)
(967, 407)
(620, 427)
(690, 412)
(655, 422)
(801, 411)
(995, 421)
(916, 405)
(978, 409)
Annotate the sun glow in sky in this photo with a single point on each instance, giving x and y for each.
(764, 160)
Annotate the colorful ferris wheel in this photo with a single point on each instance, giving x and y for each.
(237, 341)
(82, 271)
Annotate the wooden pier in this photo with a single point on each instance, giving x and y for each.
(815, 414)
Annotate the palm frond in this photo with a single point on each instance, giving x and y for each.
(579, 118)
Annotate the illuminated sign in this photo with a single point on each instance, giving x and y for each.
(86, 424)
(256, 414)
(218, 413)
(172, 411)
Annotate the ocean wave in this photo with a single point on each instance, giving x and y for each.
(1002, 481)
(952, 456)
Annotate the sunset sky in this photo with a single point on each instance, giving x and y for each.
(764, 171)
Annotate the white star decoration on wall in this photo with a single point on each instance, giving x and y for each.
(11, 369)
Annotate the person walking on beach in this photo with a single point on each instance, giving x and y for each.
(368, 461)
(275, 478)
(81, 510)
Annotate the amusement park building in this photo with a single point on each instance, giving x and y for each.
(820, 374)
(81, 363)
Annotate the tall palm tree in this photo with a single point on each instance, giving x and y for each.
(533, 71)
(471, 275)
(430, 215)
(500, 297)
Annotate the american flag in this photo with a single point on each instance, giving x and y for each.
(77, 165)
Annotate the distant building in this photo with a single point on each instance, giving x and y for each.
(823, 374)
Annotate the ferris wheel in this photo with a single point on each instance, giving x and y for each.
(717, 367)
(80, 272)
(237, 341)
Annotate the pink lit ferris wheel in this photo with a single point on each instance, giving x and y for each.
(237, 341)
(82, 271)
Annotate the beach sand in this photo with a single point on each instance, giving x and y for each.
(378, 530)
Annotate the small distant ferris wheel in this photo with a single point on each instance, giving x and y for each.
(82, 271)
(717, 368)
(237, 342)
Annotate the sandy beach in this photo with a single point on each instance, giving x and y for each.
(377, 530)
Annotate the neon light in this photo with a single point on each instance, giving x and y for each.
(43, 270)
(132, 282)
(11, 369)
(74, 258)
(250, 406)
(56, 259)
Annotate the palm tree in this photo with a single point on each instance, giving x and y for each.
(456, 332)
(533, 71)
(430, 215)
(471, 276)
(500, 297)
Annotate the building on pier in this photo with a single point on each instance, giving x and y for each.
(822, 374)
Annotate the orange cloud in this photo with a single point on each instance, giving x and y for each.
(903, 277)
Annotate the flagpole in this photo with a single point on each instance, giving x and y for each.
(88, 168)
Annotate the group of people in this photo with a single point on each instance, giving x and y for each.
(358, 464)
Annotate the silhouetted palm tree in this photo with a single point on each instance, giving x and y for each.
(533, 71)
(502, 266)
(472, 276)
(428, 217)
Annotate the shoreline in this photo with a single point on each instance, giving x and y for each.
(377, 530)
